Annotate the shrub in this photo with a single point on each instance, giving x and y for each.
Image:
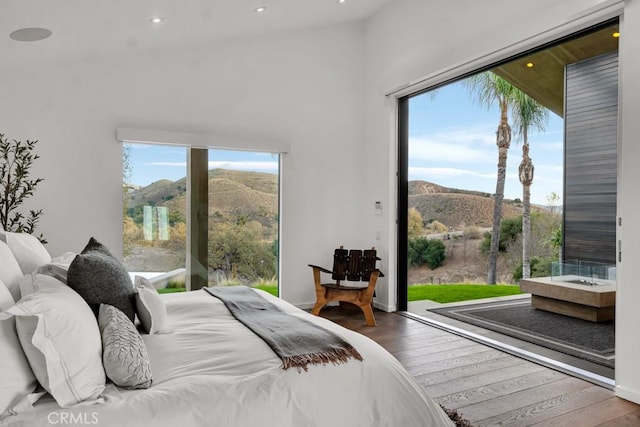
(539, 268)
(510, 228)
(414, 223)
(437, 227)
(472, 233)
(423, 251)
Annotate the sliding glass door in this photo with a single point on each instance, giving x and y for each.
(471, 209)
(168, 191)
(243, 219)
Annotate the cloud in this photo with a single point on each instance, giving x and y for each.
(416, 172)
(245, 165)
(453, 147)
(233, 165)
(168, 164)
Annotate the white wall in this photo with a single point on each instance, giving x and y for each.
(324, 91)
(628, 292)
(410, 40)
(305, 88)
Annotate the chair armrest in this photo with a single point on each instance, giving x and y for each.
(324, 270)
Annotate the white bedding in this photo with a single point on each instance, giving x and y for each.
(210, 370)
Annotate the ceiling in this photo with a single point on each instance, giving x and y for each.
(544, 82)
(84, 28)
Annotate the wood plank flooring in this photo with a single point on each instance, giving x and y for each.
(489, 387)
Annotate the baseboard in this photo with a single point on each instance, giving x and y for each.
(625, 393)
(383, 307)
(305, 305)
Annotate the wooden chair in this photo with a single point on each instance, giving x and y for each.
(354, 265)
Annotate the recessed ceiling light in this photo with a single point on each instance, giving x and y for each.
(30, 34)
(616, 34)
(260, 9)
(529, 64)
(156, 19)
(342, 1)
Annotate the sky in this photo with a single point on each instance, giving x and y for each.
(155, 162)
(452, 142)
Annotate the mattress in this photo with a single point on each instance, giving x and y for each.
(210, 370)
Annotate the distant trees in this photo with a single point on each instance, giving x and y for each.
(431, 252)
(489, 90)
(237, 249)
(544, 226)
(415, 224)
(510, 228)
(527, 114)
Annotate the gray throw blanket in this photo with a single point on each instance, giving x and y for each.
(296, 341)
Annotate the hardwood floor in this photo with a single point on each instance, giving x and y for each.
(489, 387)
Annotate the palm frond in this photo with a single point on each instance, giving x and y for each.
(489, 88)
(527, 114)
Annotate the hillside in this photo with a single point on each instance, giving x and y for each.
(254, 196)
(457, 208)
(232, 195)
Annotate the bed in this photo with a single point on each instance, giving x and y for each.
(211, 370)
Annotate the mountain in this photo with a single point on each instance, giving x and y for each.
(457, 208)
(254, 197)
(232, 195)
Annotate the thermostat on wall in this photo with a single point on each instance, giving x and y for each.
(378, 208)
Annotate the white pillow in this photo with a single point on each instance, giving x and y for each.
(27, 249)
(10, 272)
(150, 307)
(17, 378)
(60, 336)
(59, 266)
(124, 356)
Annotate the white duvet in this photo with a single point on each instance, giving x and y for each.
(210, 370)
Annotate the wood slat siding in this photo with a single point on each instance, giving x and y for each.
(591, 158)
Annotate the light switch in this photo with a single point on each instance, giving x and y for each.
(378, 208)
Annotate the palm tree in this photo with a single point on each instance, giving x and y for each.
(527, 113)
(490, 89)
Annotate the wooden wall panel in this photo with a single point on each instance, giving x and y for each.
(590, 174)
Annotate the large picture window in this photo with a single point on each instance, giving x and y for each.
(242, 201)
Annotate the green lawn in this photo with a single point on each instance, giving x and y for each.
(272, 289)
(461, 292)
(170, 290)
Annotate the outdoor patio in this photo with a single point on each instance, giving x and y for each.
(566, 357)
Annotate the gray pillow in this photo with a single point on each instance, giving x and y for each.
(100, 278)
(124, 354)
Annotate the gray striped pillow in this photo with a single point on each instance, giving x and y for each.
(124, 354)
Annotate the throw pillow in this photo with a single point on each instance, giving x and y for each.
(150, 307)
(102, 279)
(60, 337)
(27, 249)
(10, 272)
(124, 355)
(17, 377)
(58, 267)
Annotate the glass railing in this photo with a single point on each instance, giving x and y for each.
(584, 272)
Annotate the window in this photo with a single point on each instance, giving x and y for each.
(241, 196)
(445, 137)
(154, 208)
